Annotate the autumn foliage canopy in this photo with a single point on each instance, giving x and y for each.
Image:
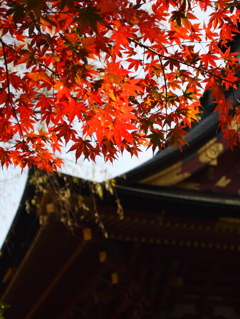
(104, 76)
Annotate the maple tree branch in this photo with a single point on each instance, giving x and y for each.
(176, 60)
(46, 67)
(42, 64)
(164, 77)
(173, 59)
(51, 46)
(8, 86)
(37, 25)
(165, 83)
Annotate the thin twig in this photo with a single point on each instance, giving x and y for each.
(165, 83)
(176, 60)
(42, 64)
(8, 87)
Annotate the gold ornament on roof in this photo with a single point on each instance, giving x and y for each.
(210, 152)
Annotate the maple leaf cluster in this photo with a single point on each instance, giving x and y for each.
(108, 76)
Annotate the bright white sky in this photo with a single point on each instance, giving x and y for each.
(12, 181)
